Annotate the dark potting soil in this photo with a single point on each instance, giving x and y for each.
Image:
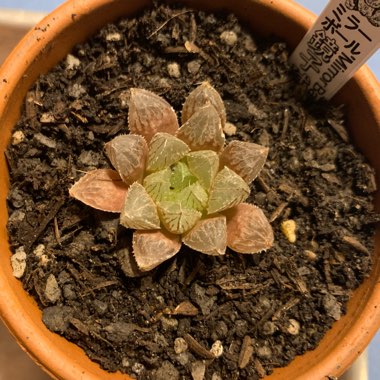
(262, 309)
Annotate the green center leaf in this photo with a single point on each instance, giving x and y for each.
(204, 164)
(158, 184)
(181, 176)
(176, 218)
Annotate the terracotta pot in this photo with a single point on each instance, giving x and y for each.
(44, 46)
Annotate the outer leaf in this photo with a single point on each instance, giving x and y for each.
(244, 158)
(150, 114)
(128, 154)
(102, 189)
(208, 236)
(158, 184)
(165, 150)
(193, 197)
(139, 211)
(204, 164)
(176, 218)
(248, 229)
(127, 261)
(203, 131)
(228, 190)
(151, 248)
(201, 96)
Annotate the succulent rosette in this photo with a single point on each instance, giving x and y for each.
(175, 185)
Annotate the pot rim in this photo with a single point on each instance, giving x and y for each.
(23, 326)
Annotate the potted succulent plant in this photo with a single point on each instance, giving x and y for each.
(165, 175)
(73, 23)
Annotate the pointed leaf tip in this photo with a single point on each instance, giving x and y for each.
(165, 150)
(204, 164)
(228, 190)
(151, 248)
(201, 96)
(244, 158)
(203, 130)
(102, 189)
(176, 218)
(208, 236)
(150, 114)
(158, 184)
(248, 229)
(128, 154)
(139, 211)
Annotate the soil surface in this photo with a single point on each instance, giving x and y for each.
(262, 310)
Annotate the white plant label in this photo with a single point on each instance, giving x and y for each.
(341, 40)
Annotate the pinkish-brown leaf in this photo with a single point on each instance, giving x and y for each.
(203, 95)
(248, 229)
(102, 189)
(203, 131)
(244, 158)
(208, 236)
(128, 154)
(151, 248)
(150, 114)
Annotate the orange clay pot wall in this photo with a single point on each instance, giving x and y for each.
(44, 46)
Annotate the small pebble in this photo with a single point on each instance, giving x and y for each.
(114, 37)
(100, 306)
(169, 323)
(229, 37)
(308, 154)
(293, 327)
(220, 330)
(46, 141)
(57, 318)
(138, 368)
(52, 290)
(167, 371)
(39, 250)
(198, 370)
(249, 44)
(332, 306)
(193, 67)
(47, 117)
(18, 137)
(257, 112)
(76, 90)
(216, 376)
(217, 349)
(269, 328)
(160, 340)
(180, 345)
(69, 292)
(17, 198)
(183, 358)
(124, 99)
(229, 129)
(264, 352)
(17, 216)
(174, 70)
(310, 255)
(18, 262)
(91, 136)
(288, 228)
(72, 62)
(125, 362)
(294, 164)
